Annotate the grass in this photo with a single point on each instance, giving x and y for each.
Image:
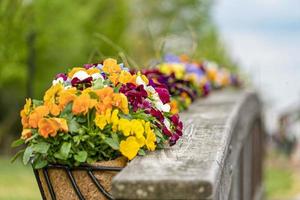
(281, 179)
(17, 182)
(278, 182)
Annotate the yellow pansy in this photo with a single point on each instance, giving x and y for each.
(130, 147)
(92, 71)
(177, 69)
(74, 70)
(50, 98)
(150, 141)
(150, 138)
(141, 141)
(212, 73)
(115, 119)
(102, 120)
(126, 77)
(137, 128)
(27, 106)
(109, 117)
(124, 126)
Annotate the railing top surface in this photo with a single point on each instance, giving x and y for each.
(192, 167)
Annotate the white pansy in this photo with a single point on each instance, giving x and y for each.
(59, 80)
(162, 107)
(140, 81)
(210, 64)
(155, 97)
(81, 75)
(68, 87)
(97, 76)
(150, 89)
(167, 123)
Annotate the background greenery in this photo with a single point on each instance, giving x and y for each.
(39, 38)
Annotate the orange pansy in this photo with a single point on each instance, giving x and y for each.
(24, 113)
(111, 66)
(91, 71)
(65, 97)
(104, 92)
(82, 104)
(37, 114)
(126, 77)
(63, 125)
(48, 126)
(120, 101)
(53, 108)
(114, 78)
(26, 133)
(174, 107)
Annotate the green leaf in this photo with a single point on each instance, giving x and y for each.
(27, 155)
(98, 84)
(59, 156)
(81, 156)
(115, 137)
(17, 143)
(41, 147)
(73, 126)
(68, 109)
(141, 152)
(81, 119)
(158, 133)
(37, 102)
(18, 154)
(65, 150)
(40, 163)
(112, 143)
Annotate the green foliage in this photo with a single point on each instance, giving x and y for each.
(41, 38)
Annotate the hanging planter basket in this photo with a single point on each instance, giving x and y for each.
(86, 182)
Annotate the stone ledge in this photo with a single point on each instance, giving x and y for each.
(195, 166)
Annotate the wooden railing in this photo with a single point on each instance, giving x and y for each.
(219, 157)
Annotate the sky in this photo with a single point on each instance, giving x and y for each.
(264, 37)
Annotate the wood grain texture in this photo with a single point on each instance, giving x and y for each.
(201, 164)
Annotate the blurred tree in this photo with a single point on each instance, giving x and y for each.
(181, 26)
(39, 38)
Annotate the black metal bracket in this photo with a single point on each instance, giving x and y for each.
(89, 170)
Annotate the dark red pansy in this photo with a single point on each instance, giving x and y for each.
(157, 114)
(166, 131)
(163, 94)
(61, 75)
(136, 95)
(81, 84)
(173, 139)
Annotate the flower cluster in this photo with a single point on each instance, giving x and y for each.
(99, 112)
(186, 79)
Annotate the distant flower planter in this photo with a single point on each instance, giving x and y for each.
(84, 182)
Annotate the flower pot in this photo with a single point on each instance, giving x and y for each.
(84, 182)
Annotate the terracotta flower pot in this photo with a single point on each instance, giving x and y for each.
(64, 189)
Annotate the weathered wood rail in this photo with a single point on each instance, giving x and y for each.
(219, 157)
